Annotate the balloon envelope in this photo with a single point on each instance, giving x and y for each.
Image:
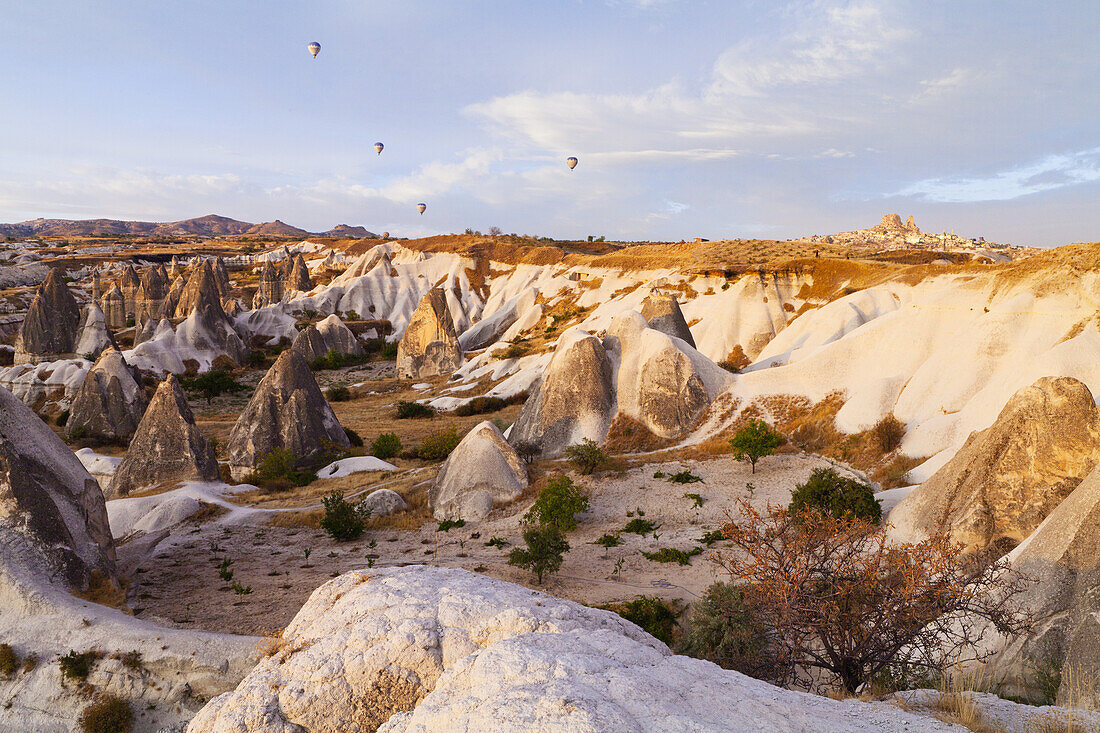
(571, 162)
(421, 208)
(315, 48)
(378, 148)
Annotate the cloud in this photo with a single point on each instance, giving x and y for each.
(1049, 173)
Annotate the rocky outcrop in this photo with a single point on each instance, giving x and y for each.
(575, 399)
(175, 290)
(113, 305)
(49, 504)
(383, 502)
(309, 344)
(430, 650)
(208, 329)
(97, 286)
(1006, 479)
(129, 284)
(93, 336)
(286, 411)
(49, 330)
(662, 312)
(175, 269)
(270, 288)
(110, 402)
(151, 295)
(221, 276)
(491, 329)
(167, 446)
(298, 276)
(483, 471)
(339, 337)
(202, 286)
(429, 347)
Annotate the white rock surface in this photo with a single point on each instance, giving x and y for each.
(482, 471)
(383, 502)
(348, 466)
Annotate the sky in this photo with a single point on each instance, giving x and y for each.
(690, 118)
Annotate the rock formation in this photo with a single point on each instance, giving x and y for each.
(167, 445)
(110, 402)
(113, 305)
(286, 411)
(491, 329)
(49, 505)
(574, 400)
(339, 337)
(175, 290)
(481, 472)
(1006, 479)
(93, 336)
(383, 502)
(270, 288)
(429, 347)
(202, 285)
(49, 329)
(309, 344)
(151, 295)
(434, 650)
(221, 276)
(175, 269)
(208, 329)
(97, 286)
(298, 277)
(662, 312)
(129, 284)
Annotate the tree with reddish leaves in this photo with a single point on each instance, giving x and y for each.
(843, 603)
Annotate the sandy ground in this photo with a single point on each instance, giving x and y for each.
(179, 581)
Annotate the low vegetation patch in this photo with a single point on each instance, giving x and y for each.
(212, 384)
(656, 616)
(343, 521)
(722, 629)
(754, 441)
(480, 406)
(335, 360)
(586, 456)
(439, 444)
(684, 477)
(407, 410)
(543, 552)
(448, 524)
(671, 554)
(386, 446)
(640, 526)
(9, 661)
(558, 504)
(888, 433)
(608, 541)
(840, 496)
(278, 471)
(76, 666)
(339, 393)
(108, 714)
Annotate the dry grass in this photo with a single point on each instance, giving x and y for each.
(960, 708)
(207, 513)
(627, 435)
(105, 592)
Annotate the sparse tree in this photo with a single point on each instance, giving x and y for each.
(754, 441)
(586, 456)
(527, 450)
(558, 504)
(544, 553)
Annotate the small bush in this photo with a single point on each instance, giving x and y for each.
(839, 496)
(609, 541)
(76, 667)
(708, 539)
(754, 441)
(671, 554)
(9, 661)
(335, 360)
(640, 526)
(586, 456)
(342, 521)
(413, 410)
(278, 471)
(514, 351)
(339, 393)
(108, 714)
(131, 660)
(558, 503)
(448, 524)
(654, 615)
(353, 437)
(498, 542)
(684, 477)
(544, 552)
(527, 450)
(62, 418)
(386, 446)
(212, 384)
(389, 351)
(480, 406)
(888, 433)
(721, 629)
(255, 359)
(697, 499)
(438, 445)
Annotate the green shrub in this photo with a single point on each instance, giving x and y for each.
(671, 554)
(684, 477)
(544, 551)
(514, 351)
(438, 445)
(527, 450)
(339, 393)
(335, 360)
(498, 542)
(840, 496)
(9, 661)
(608, 541)
(654, 615)
(708, 539)
(342, 521)
(640, 526)
(353, 437)
(277, 471)
(888, 433)
(480, 406)
(389, 351)
(586, 456)
(62, 418)
(721, 629)
(754, 441)
(131, 660)
(76, 667)
(386, 446)
(410, 410)
(212, 384)
(108, 714)
(448, 524)
(697, 499)
(558, 504)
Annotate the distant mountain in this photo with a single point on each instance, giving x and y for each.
(211, 225)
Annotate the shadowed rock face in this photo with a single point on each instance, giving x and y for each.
(662, 312)
(1006, 479)
(221, 276)
(429, 347)
(298, 278)
(575, 399)
(113, 305)
(202, 286)
(339, 337)
(151, 294)
(49, 330)
(94, 336)
(208, 328)
(167, 445)
(482, 471)
(287, 411)
(270, 289)
(129, 284)
(309, 344)
(109, 404)
(48, 497)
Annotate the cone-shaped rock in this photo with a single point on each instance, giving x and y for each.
(575, 399)
(663, 314)
(167, 446)
(287, 411)
(202, 285)
(298, 279)
(50, 328)
(270, 289)
(1006, 479)
(48, 501)
(175, 269)
(207, 328)
(309, 344)
(175, 290)
(113, 305)
(94, 336)
(339, 337)
(129, 284)
(221, 276)
(110, 402)
(151, 294)
(97, 286)
(482, 471)
(429, 347)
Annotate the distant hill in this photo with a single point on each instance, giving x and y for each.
(211, 225)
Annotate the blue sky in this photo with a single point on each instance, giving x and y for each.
(690, 117)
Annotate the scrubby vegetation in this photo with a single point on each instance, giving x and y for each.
(544, 550)
(671, 554)
(448, 524)
(76, 666)
(108, 714)
(413, 410)
(527, 451)
(684, 477)
(586, 456)
(754, 441)
(386, 446)
(339, 393)
(640, 526)
(278, 471)
(213, 383)
(342, 521)
(558, 504)
(335, 360)
(722, 629)
(837, 495)
(439, 444)
(888, 433)
(656, 616)
(9, 661)
(480, 406)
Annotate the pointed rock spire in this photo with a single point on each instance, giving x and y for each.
(298, 278)
(94, 335)
(113, 305)
(663, 313)
(110, 402)
(429, 347)
(49, 330)
(270, 289)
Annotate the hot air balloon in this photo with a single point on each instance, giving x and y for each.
(421, 207)
(314, 48)
(571, 162)
(378, 148)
